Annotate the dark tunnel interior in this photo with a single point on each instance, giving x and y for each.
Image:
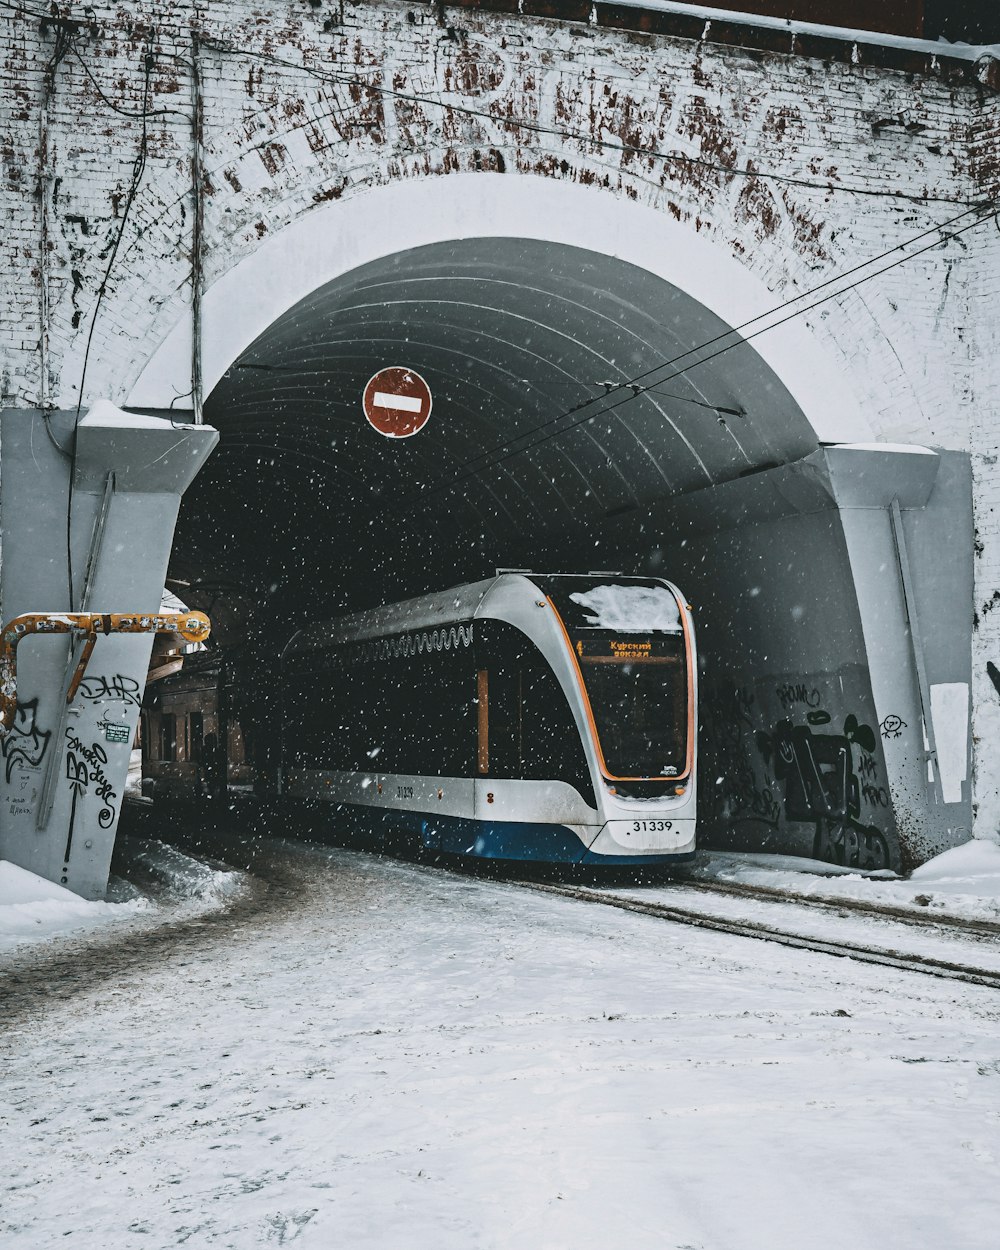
(304, 510)
(588, 416)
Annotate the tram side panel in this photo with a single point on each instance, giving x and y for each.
(478, 737)
(394, 733)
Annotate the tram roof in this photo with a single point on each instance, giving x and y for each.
(458, 603)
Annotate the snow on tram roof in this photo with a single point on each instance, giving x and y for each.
(630, 609)
(607, 601)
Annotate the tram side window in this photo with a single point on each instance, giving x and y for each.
(531, 730)
(430, 713)
(306, 720)
(409, 714)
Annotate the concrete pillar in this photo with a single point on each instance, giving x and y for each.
(832, 601)
(87, 512)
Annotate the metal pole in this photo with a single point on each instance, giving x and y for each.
(197, 228)
(916, 645)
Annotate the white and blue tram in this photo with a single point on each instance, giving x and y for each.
(526, 717)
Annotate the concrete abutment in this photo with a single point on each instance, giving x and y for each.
(309, 178)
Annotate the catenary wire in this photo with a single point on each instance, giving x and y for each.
(635, 385)
(630, 383)
(635, 392)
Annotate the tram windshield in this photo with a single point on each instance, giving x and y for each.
(631, 649)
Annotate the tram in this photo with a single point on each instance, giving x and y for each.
(542, 717)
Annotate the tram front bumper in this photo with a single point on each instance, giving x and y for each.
(644, 837)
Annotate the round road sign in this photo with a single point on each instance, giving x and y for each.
(397, 402)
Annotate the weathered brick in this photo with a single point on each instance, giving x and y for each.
(918, 346)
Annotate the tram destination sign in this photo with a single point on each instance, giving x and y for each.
(397, 402)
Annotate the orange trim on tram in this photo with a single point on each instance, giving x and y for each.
(689, 658)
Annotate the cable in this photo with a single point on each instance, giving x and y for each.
(634, 392)
(73, 23)
(352, 80)
(631, 383)
(138, 169)
(518, 123)
(115, 107)
(748, 338)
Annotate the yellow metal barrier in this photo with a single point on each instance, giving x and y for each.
(192, 627)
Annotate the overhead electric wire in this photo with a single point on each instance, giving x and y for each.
(637, 386)
(447, 486)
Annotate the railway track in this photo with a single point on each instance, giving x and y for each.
(882, 911)
(906, 961)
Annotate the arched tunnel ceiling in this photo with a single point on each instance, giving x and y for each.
(511, 334)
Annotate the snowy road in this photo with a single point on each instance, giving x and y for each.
(380, 1055)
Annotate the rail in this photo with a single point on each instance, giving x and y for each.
(906, 961)
(192, 627)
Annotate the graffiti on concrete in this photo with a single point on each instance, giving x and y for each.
(737, 794)
(78, 776)
(871, 792)
(824, 786)
(25, 745)
(85, 766)
(792, 694)
(117, 687)
(994, 675)
(892, 726)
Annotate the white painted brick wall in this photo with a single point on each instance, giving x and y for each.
(917, 346)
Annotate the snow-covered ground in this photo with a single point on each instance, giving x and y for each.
(384, 1055)
(963, 882)
(33, 909)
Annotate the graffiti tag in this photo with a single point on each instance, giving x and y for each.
(88, 767)
(892, 726)
(117, 687)
(792, 693)
(25, 745)
(877, 796)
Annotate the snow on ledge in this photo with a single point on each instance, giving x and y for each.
(931, 47)
(912, 449)
(108, 415)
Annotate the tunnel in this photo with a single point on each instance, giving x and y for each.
(590, 415)
(537, 441)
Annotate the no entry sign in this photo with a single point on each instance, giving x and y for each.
(397, 402)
